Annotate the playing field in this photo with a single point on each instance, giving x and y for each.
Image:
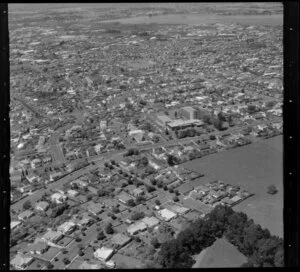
(253, 167)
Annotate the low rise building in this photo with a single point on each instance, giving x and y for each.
(25, 215)
(120, 239)
(42, 206)
(167, 215)
(103, 254)
(52, 236)
(67, 227)
(136, 228)
(21, 261)
(151, 222)
(58, 198)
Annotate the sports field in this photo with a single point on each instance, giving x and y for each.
(253, 167)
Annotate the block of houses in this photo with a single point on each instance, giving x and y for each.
(42, 206)
(21, 261)
(25, 215)
(151, 222)
(58, 198)
(67, 227)
(136, 228)
(38, 248)
(52, 236)
(120, 239)
(167, 215)
(103, 254)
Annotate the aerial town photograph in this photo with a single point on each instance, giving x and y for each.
(146, 135)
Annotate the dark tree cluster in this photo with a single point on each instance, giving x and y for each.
(257, 244)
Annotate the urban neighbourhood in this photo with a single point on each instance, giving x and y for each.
(104, 118)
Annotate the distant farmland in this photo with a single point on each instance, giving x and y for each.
(254, 168)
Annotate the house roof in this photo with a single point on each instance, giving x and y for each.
(42, 204)
(103, 252)
(167, 214)
(38, 246)
(26, 213)
(150, 221)
(51, 235)
(20, 260)
(137, 227)
(13, 224)
(120, 239)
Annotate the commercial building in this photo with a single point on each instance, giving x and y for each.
(162, 120)
(189, 113)
(181, 124)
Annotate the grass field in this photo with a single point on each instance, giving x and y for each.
(220, 254)
(254, 168)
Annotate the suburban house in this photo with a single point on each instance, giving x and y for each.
(25, 215)
(42, 206)
(103, 253)
(52, 236)
(21, 261)
(58, 198)
(38, 248)
(67, 227)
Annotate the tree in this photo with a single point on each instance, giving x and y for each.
(150, 189)
(137, 216)
(100, 235)
(115, 210)
(175, 199)
(272, 189)
(27, 205)
(154, 242)
(50, 266)
(157, 202)
(89, 197)
(131, 203)
(109, 229)
(153, 181)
